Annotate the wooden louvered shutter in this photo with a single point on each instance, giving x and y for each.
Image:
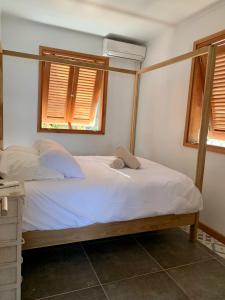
(217, 118)
(216, 133)
(218, 99)
(88, 84)
(72, 98)
(55, 93)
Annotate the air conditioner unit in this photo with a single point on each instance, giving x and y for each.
(112, 48)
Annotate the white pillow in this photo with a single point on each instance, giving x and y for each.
(62, 162)
(25, 166)
(46, 145)
(31, 150)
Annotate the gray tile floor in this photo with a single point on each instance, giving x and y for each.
(157, 265)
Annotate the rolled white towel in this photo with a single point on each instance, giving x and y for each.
(129, 159)
(117, 164)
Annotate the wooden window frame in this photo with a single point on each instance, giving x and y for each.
(104, 94)
(199, 44)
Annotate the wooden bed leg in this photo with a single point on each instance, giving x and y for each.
(194, 229)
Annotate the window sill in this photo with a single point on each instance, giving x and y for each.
(71, 131)
(211, 148)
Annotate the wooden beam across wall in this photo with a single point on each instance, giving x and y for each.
(171, 61)
(70, 62)
(134, 114)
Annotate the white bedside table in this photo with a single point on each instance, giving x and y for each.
(11, 200)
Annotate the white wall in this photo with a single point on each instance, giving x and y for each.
(162, 112)
(21, 88)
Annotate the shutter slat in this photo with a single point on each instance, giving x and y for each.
(84, 97)
(218, 104)
(219, 73)
(218, 89)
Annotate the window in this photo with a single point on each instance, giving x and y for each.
(72, 99)
(216, 133)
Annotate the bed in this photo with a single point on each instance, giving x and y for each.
(107, 202)
(39, 238)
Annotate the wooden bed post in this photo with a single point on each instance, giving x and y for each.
(1, 98)
(134, 113)
(204, 130)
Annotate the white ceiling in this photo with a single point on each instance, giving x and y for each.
(134, 19)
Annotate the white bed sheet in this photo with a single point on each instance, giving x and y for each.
(108, 195)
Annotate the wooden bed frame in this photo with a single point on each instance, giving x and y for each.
(36, 239)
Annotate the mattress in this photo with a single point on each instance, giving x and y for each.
(108, 195)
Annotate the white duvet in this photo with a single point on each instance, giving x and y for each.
(108, 195)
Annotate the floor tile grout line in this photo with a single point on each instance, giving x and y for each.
(93, 269)
(214, 255)
(69, 292)
(133, 277)
(219, 261)
(146, 251)
(154, 272)
(190, 264)
(211, 256)
(176, 283)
